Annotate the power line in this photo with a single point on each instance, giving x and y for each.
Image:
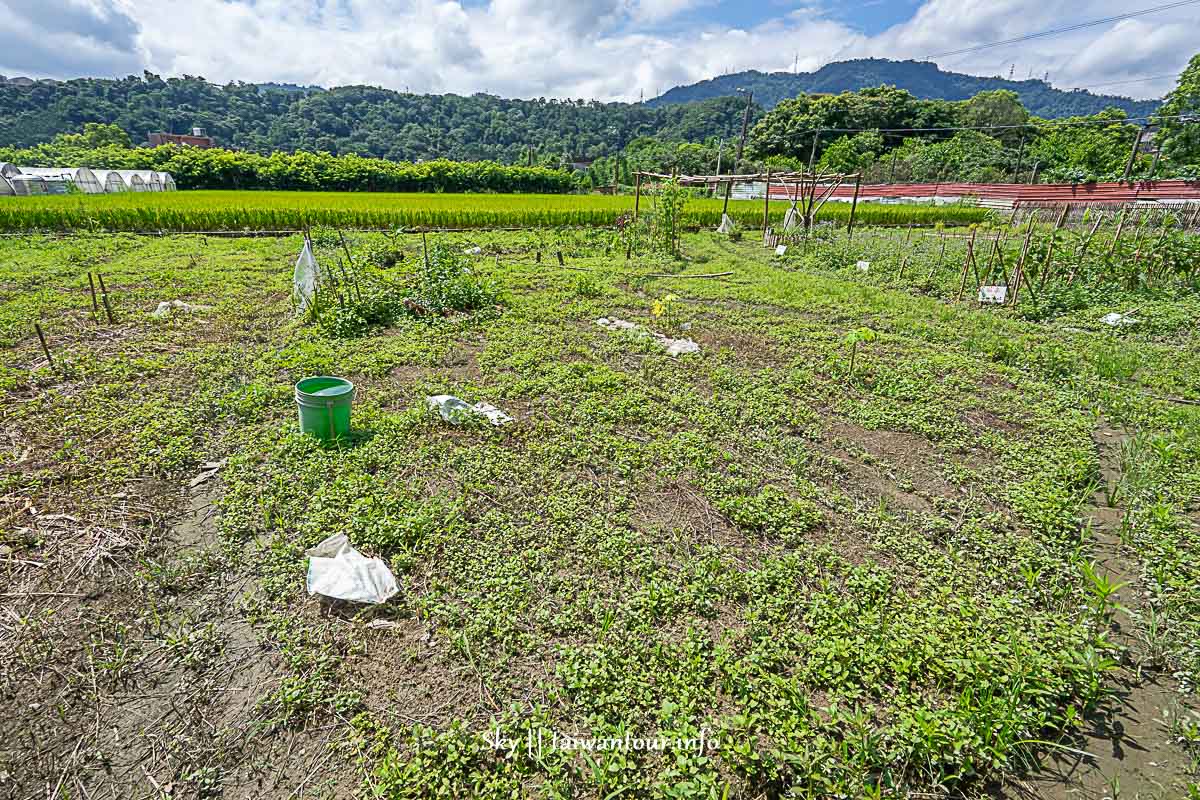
(1067, 29)
(1130, 80)
(1035, 125)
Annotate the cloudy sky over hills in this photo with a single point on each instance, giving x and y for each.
(604, 49)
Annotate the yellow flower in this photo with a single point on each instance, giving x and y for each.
(658, 308)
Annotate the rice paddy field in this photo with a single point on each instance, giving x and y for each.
(875, 539)
(284, 211)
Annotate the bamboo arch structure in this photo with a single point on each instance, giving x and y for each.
(807, 192)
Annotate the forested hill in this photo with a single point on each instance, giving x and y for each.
(354, 119)
(923, 78)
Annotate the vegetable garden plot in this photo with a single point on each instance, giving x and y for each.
(789, 573)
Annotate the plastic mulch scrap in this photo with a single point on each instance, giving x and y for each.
(167, 306)
(674, 347)
(305, 278)
(337, 570)
(453, 410)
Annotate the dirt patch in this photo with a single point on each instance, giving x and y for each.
(1130, 751)
(154, 687)
(459, 365)
(901, 467)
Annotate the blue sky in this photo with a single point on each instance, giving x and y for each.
(591, 49)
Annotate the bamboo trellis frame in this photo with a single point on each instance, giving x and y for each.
(808, 191)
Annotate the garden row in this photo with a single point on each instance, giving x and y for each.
(275, 211)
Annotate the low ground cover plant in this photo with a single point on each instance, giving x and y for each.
(935, 577)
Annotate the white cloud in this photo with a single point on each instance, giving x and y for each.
(68, 37)
(605, 49)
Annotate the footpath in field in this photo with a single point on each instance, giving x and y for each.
(840, 550)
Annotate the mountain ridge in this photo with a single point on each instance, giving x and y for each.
(922, 78)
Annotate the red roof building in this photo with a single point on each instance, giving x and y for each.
(197, 138)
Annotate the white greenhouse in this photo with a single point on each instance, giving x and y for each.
(111, 180)
(25, 185)
(8, 169)
(5, 187)
(134, 180)
(82, 177)
(168, 182)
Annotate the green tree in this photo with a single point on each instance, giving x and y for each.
(999, 107)
(852, 153)
(1180, 138)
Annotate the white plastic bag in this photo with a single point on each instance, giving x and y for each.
(337, 570)
(305, 278)
(791, 220)
(453, 409)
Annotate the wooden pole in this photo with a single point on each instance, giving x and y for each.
(767, 204)
(45, 349)
(637, 194)
(853, 206)
(962, 284)
(92, 286)
(1120, 227)
(425, 248)
(1137, 141)
(104, 297)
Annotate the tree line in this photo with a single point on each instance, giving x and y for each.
(106, 147)
(362, 120)
(885, 133)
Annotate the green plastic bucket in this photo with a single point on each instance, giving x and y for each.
(324, 405)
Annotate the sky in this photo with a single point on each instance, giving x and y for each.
(590, 49)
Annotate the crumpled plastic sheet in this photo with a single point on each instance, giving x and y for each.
(453, 409)
(674, 347)
(727, 225)
(167, 306)
(337, 570)
(1114, 319)
(305, 278)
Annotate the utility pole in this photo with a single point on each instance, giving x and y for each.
(741, 145)
(745, 127)
(1137, 142)
(812, 157)
(720, 146)
(1020, 157)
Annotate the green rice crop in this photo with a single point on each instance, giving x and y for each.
(278, 211)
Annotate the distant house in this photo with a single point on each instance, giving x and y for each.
(197, 138)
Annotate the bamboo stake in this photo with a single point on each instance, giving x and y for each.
(1117, 235)
(941, 258)
(962, 285)
(45, 349)
(92, 286)
(767, 205)
(104, 297)
(853, 206)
